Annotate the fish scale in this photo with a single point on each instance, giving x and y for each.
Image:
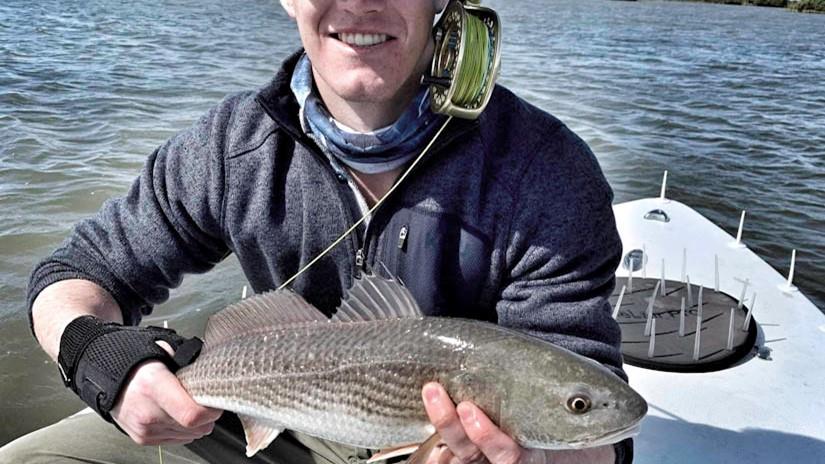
(371, 371)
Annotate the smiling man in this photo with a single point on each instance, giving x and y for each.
(368, 59)
(507, 219)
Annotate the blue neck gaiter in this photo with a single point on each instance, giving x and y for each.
(382, 150)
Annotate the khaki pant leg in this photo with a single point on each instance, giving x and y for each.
(227, 445)
(86, 438)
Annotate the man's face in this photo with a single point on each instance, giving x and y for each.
(366, 51)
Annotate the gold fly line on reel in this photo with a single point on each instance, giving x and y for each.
(467, 59)
(466, 63)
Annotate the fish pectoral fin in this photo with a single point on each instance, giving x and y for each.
(259, 433)
(423, 452)
(394, 452)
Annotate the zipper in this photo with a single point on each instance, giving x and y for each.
(361, 246)
(437, 148)
(337, 180)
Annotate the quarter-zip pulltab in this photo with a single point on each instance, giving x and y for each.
(359, 259)
(402, 237)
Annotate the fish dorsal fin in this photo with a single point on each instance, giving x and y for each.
(281, 307)
(373, 297)
(259, 433)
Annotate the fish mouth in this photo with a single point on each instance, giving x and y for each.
(612, 437)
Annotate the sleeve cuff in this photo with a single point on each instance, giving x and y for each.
(50, 272)
(624, 451)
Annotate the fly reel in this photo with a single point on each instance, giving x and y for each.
(466, 61)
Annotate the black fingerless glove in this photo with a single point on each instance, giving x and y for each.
(96, 357)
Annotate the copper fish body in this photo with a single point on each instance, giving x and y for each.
(356, 379)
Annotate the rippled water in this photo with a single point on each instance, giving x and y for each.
(729, 99)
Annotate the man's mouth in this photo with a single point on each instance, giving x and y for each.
(361, 40)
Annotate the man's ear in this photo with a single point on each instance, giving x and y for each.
(289, 7)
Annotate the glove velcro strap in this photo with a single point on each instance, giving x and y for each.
(97, 357)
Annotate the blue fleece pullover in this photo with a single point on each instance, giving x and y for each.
(508, 219)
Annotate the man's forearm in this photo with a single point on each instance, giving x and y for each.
(140, 409)
(62, 302)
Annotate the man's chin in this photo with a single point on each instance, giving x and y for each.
(366, 91)
(364, 88)
(368, 94)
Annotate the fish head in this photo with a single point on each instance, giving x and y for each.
(551, 398)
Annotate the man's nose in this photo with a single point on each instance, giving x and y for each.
(364, 6)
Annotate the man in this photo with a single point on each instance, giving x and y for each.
(508, 219)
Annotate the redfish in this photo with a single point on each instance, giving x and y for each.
(356, 379)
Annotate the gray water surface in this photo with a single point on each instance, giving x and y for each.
(729, 99)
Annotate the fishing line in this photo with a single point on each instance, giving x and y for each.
(372, 210)
(470, 81)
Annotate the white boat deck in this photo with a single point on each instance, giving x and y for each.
(760, 411)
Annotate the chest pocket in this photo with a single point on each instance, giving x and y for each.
(443, 262)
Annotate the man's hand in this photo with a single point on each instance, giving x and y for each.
(154, 408)
(470, 437)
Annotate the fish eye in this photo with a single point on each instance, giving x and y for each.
(578, 404)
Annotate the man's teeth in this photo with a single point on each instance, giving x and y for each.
(363, 40)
